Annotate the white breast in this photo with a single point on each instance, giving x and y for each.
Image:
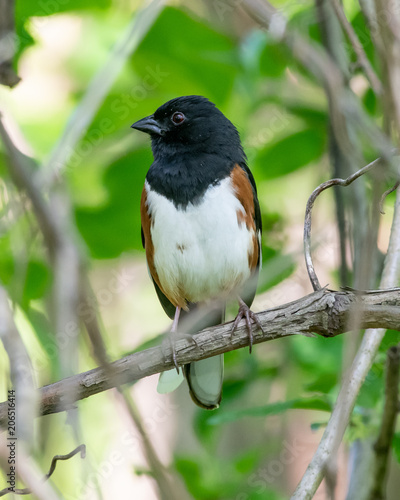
(200, 252)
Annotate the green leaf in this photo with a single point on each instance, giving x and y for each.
(192, 475)
(26, 9)
(45, 335)
(36, 281)
(364, 36)
(291, 153)
(396, 446)
(370, 102)
(323, 383)
(372, 390)
(274, 59)
(306, 22)
(114, 227)
(7, 267)
(205, 63)
(318, 357)
(314, 403)
(25, 282)
(25, 39)
(314, 117)
(390, 339)
(275, 268)
(247, 462)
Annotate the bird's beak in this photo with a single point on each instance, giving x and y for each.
(148, 125)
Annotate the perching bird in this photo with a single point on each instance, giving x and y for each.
(201, 226)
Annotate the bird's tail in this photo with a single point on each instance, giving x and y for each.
(204, 377)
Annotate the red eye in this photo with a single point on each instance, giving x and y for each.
(178, 118)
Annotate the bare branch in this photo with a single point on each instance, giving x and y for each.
(21, 371)
(21, 172)
(343, 103)
(27, 491)
(53, 217)
(390, 54)
(324, 312)
(358, 48)
(99, 88)
(383, 443)
(352, 384)
(307, 222)
(7, 44)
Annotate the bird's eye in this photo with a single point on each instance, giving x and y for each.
(178, 118)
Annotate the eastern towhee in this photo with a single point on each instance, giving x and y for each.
(201, 225)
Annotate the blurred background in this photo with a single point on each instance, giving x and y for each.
(110, 63)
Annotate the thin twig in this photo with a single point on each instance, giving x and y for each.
(358, 48)
(343, 103)
(388, 26)
(385, 194)
(346, 164)
(27, 491)
(54, 220)
(98, 89)
(323, 312)
(168, 489)
(21, 172)
(360, 367)
(383, 443)
(21, 372)
(307, 221)
(28, 472)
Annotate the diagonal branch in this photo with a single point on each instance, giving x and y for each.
(21, 371)
(343, 103)
(100, 87)
(324, 312)
(351, 386)
(384, 441)
(362, 58)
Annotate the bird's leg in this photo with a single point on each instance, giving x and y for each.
(174, 335)
(246, 313)
(171, 336)
(174, 327)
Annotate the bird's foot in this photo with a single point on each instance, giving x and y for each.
(170, 342)
(247, 314)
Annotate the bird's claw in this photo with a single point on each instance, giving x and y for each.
(247, 314)
(171, 339)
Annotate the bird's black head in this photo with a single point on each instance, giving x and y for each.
(191, 124)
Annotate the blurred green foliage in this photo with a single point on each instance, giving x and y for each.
(281, 113)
